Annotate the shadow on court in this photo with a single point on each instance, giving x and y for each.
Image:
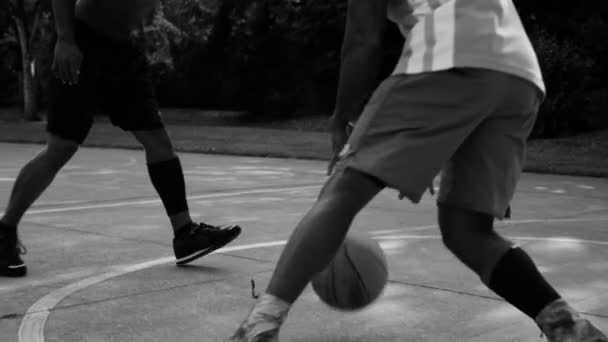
(100, 256)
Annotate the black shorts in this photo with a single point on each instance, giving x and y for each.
(114, 79)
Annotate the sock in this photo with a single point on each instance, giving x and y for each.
(7, 228)
(517, 279)
(168, 180)
(269, 310)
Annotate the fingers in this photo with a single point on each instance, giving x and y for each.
(350, 127)
(60, 70)
(54, 68)
(63, 71)
(332, 164)
(74, 70)
(67, 69)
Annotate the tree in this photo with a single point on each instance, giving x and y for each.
(30, 25)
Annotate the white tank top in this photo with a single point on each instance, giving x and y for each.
(442, 34)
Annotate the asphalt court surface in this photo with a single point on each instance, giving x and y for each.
(100, 269)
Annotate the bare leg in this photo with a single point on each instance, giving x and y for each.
(472, 239)
(36, 176)
(320, 233)
(310, 248)
(504, 267)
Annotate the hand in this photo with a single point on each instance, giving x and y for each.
(340, 132)
(67, 61)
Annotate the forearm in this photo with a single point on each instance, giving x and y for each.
(359, 77)
(63, 11)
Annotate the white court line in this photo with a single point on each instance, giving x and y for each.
(46, 281)
(156, 201)
(34, 320)
(32, 326)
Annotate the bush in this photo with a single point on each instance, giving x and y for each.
(277, 58)
(569, 75)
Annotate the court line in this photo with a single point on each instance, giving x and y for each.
(34, 320)
(158, 201)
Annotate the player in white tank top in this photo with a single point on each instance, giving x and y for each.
(462, 97)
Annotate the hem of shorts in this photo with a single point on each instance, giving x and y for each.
(487, 211)
(151, 127)
(414, 198)
(64, 136)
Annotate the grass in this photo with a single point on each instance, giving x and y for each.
(581, 155)
(232, 133)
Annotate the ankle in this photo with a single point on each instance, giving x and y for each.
(269, 305)
(178, 231)
(556, 312)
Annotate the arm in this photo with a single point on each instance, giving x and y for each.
(361, 58)
(67, 59)
(63, 11)
(360, 68)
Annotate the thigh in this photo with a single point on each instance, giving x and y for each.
(129, 97)
(483, 173)
(156, 143)
(70, 111)
(350, 188)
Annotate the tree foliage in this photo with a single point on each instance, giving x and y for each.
(281, 57)
(27, 38)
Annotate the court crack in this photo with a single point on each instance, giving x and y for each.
(133, 295)
(476, 295)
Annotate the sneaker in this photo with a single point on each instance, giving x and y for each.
(245, 334)
(263, 329)
(11, 250)
(200, 239)
(263, 322)
(561, 323)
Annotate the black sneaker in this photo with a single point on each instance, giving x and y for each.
(11, 250)
(200, 239)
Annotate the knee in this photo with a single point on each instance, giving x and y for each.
(58, 153)
(157, 144)
(348, 191)
(338, 199)
(461, 229)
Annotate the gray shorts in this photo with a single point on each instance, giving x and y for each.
(471, 123)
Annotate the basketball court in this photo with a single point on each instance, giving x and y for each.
(100, 257)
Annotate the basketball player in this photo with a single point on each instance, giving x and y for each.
(96, 62)
(463, 98)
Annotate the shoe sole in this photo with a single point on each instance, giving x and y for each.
(14, 271)
(199, 254)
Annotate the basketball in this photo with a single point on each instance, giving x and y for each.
(355, 277)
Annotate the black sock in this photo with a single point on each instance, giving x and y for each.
(168, 180)
(517, 279)
(7, 227)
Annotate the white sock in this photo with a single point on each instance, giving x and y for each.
(269, 305)
(267, 314)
